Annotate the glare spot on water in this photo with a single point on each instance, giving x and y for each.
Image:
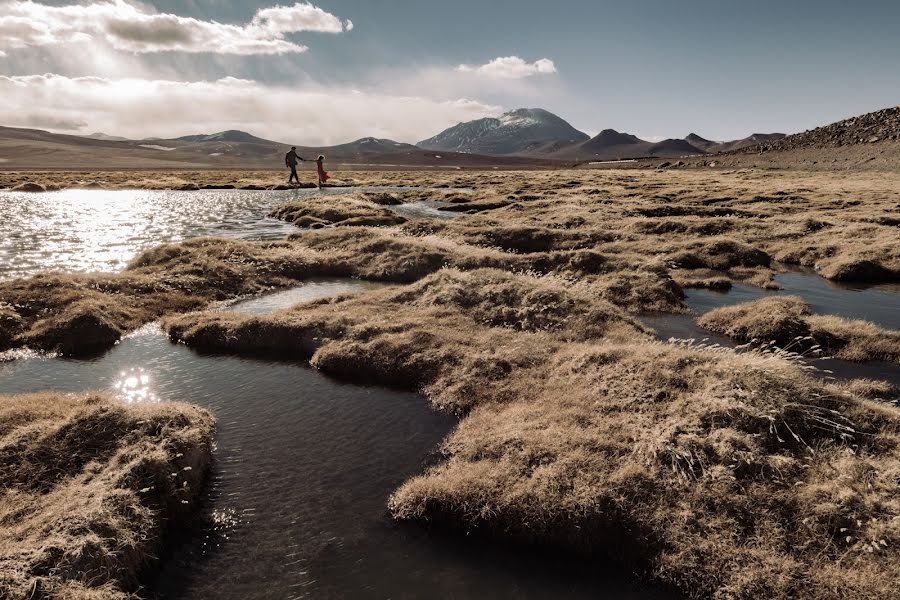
(20, 354)
(135, 386)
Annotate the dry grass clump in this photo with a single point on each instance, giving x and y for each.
(853, 339)
(91, 486)
(448, 333)
(720, 255)
(346, 210)
(85, 313)
(727, 475)
(779, 319)
(702, 278)
(786, 321)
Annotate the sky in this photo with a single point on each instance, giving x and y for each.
(337, 70)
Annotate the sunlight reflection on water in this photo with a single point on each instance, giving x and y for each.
(101, 230)
(135, 386)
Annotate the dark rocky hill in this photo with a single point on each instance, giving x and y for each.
(870, 128)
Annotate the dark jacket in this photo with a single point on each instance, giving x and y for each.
(291, 158)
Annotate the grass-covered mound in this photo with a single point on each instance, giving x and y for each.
(344, 210)
(787, 322)
(726, 475)
(723, 474)
(78, 314)
(450, 334)
(90, 487)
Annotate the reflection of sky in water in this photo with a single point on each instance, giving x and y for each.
(96, 230)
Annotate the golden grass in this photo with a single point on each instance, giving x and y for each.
(723, 474)
(726, 474)
(345, 210)
(786, 321)
(90, 488)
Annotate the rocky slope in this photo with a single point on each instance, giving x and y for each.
(870, 128)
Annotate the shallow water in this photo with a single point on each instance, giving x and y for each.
(312, 289)
(97, 230)
(878, 304)
(424, 210)
(296, 504)
(101, 230)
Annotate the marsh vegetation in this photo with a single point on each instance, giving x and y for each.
(722, 473)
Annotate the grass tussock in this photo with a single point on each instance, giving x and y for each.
(724, 474)
(77, 314)
(91, 485)
(346, 210)
(727, 475)
(420, 337)
(787, 321)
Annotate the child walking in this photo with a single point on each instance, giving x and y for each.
(320, 167)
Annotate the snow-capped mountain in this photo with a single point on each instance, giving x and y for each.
(512, 133)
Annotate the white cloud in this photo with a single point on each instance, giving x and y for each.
(140, 108)
(133, 28)
(510, 67)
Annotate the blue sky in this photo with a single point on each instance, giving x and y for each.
(723, 69)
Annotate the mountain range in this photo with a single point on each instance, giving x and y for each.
(537, 133)
(520, 138)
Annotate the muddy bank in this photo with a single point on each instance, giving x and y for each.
(581, 433)
(92, 485)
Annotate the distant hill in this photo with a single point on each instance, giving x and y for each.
(108, 138)
(700, 142)
(232, 135)
(748, 142)
(610, 144)
(370, 146)
(673, 147)
(36, 149)
(512, 133)
(610, 138)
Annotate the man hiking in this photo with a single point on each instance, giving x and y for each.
(290, 161)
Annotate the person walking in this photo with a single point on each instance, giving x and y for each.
(290, 161)
(320, 167)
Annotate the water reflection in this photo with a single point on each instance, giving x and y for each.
(879, 304)
(425, 210)
(312, 289)
(133, 386)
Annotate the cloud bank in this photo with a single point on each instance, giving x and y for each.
(510, 67)
(139, 108)
(133, 28)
